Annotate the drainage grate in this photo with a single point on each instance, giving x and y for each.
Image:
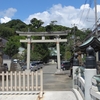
(19, 93)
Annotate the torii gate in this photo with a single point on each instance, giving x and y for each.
(43, 34)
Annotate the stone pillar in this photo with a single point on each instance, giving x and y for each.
(58, 57)
(28, 51)
(90, 71)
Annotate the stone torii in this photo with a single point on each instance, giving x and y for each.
(28, 40)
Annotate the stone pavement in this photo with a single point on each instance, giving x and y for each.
(48, 95)
(59, 95)
(18, 97)
(52, 82)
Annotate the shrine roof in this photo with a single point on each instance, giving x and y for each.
(93, 42)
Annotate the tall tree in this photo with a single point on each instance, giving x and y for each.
(36, 23)
(12, 46)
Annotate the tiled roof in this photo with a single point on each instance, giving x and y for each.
(93, 42)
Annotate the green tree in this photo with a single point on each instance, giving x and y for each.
(16, 24)
(6, 32)
(36, 23)
(12, 46)
(49, 28)
(40, 52)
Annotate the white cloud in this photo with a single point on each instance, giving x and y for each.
(84, 17)
(86, 6)
(9, 12)
(5, 19)
(6, 15)
(67, 15)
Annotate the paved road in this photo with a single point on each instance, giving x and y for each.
(59, 95)
(56, 87)
(54, 82)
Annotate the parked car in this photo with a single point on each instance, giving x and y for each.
(65, 65)
(23, 67)
(34, 65)
(38, 63)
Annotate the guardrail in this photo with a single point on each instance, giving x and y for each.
(83, 77)
(79, 84)
(79, 81)
(95, 88)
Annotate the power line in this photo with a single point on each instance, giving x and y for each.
(87, 15)
(90, 4)
(82, 11)
(93, 27)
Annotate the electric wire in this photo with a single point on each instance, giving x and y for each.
(90, 4)
(86, 19)
(82, 12)
(94, 26)
(87, 14)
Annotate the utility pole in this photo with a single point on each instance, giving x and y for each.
(74, 38)
(96, 26)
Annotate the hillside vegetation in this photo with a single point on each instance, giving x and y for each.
(39, 51)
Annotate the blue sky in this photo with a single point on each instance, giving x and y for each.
(66, 12)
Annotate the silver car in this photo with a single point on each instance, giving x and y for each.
(33, 67)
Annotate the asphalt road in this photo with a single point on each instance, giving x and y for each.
(52, 82)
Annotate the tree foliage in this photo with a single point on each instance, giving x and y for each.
(12, 46)
(6, 32)
(16, 25)
(40, 51)
(36, 23)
